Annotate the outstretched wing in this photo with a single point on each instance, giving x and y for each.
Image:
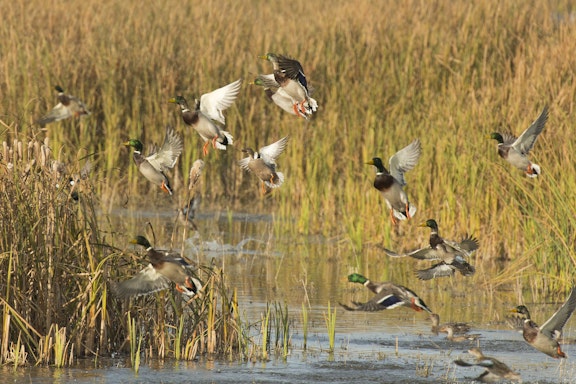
(293, 70)
(145, 282)
(271, 152)
(527, 139)
(404, 160)
(168, 154)
(437, 270)
(212, 104)
(553, 327)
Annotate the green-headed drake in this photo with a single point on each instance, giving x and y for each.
(546, 338)
(451, 254)
(391, 183)
(165, 267)
(68, 106)
(208, 113)
(495, 369)
(278, 95)
(263, 163)
(388, 296)
(153, 166)
(289, 74)
(515, 150)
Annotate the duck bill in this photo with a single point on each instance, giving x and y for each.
(371, 162)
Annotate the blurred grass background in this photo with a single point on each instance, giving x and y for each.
(448, 72)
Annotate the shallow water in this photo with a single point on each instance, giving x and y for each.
(393, 346)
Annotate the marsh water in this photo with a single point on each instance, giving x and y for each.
(395, 346)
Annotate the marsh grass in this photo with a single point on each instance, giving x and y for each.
(449, 73)
(330, 320)
(55, 301)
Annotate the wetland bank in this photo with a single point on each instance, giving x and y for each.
(446, 72)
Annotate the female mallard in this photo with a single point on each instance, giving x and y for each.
(495, 369)
(289, 74)
(164, 267)
(67, 106)
(154, 165)
(263, 163)
(458, 338)
(545, 338)
(388, 296)
(207, 112)
(450, 254)
(391, 183)
(457, 328)
(278, 95)
(515, 150)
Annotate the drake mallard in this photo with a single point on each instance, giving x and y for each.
(164, 267)
(278, 95)
(457, 328)
(391, 183)
(516, 319)
(495, 369)
(154, 165)
(388, 296)
(451, 254)
(263, 163)
(208, 112)
(546, 338)
(515, 150)
(289, 74)
(67, 106)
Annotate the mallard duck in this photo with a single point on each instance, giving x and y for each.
(495, 369)
(451, 254)
(154, 165)
(278, 95)
(67, 106)
(388, 296)
(208, 112)
(516, 320)
(515, 150)
(457, 328)
(459, 338)
(263, 163)
(391, 183)
(164, 267)
(546, 338)
(289, 74)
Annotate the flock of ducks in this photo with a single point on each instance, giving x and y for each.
(288, 88)
(451, 256)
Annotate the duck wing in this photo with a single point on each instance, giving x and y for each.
(213, 103)
(166, 157)
(553, 327)
(404, 160)
(527, 139)
(271, 152)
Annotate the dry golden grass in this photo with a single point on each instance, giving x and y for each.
(448, 72)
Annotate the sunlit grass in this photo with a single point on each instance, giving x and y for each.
(448, 72)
